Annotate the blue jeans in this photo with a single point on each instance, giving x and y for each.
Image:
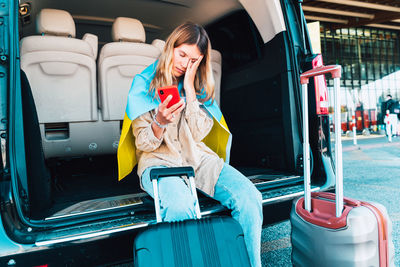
(233, 190)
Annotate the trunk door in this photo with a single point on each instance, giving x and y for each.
(4, 51)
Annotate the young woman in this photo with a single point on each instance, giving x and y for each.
(172, 137)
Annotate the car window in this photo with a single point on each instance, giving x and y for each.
(238, 39)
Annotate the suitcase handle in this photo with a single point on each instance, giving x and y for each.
(158, 173)
(331, 196)
(164, 172)
(335, 71)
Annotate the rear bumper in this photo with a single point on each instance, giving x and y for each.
(99, 252)
(114, 245)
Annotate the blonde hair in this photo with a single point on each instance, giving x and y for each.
(187, 33)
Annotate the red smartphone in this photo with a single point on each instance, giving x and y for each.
(164, 92)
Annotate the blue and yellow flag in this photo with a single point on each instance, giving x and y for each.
(140, 101)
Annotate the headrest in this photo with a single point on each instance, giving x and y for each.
(128, 30)
(55, 22)
(216, 56)
(159, 44)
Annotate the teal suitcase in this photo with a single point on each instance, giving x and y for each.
(202, 242)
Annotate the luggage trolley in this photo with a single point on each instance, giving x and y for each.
(328, 229)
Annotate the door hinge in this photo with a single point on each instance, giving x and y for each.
(5, 174)
(299, 163)
(25, 201)
(3, 59)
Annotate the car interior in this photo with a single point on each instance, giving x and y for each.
(78, 60)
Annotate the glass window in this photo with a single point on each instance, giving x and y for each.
(363, 71)
(370, 71)
(368, 56)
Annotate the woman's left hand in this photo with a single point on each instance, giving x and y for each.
(188, 82)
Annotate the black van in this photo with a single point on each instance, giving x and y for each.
(65, 71)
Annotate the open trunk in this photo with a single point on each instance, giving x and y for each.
(259, 100)
(90, 184)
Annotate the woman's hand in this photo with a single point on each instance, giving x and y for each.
(188, 82)
(167, 115)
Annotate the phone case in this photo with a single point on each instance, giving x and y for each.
(164, 92)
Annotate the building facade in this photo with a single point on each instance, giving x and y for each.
(370, 59)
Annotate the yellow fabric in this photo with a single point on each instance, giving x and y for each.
(126, 150)
(217, 140)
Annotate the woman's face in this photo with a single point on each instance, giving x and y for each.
(183, 54)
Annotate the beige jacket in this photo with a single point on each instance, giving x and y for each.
(180, 145)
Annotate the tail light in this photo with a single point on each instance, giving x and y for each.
(321, 91)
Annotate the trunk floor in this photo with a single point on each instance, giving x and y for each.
(78, 180)
(84, 185)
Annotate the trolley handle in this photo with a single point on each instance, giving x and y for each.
(334, 70)
(158, 173)
(331, 196)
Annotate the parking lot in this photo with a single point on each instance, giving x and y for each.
(371, 172)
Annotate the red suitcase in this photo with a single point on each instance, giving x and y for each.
(327, 229)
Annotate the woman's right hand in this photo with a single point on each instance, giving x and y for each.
(167, 115)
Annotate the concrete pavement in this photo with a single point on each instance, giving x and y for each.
(371, 172)
(368, 142)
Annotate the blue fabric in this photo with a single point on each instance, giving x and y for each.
(233, 190)
(140, 101)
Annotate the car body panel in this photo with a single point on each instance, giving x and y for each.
(79, 238)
